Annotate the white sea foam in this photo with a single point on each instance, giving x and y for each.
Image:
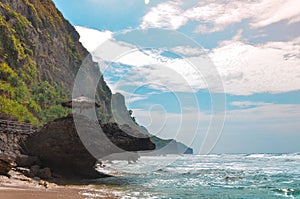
(259, 155)
(236, 175)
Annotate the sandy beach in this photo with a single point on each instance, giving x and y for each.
(52, 193)
(34, 193)
(22, 187)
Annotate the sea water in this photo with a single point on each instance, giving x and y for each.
(209, 176)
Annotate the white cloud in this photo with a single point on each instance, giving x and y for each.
(149, 67)
(189, 51)
(91, 38)
(216, 15)
(246, 69)
(204, 29)
(166, 15)
(132, 97)
(294, 20)
(270, 11)
(245, 104)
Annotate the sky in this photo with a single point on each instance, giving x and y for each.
(220, 76)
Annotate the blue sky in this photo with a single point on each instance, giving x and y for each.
(185, 67)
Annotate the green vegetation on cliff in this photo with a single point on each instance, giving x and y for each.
(40, 55)
(24, 95)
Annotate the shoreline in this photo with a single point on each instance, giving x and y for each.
(19, 186)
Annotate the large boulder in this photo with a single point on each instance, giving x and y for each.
(6, 163)
(36, 171)
(26, 161)
(59, 146)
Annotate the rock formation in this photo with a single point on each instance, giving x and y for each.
(6, 163)
(59, 146)
(10, 142)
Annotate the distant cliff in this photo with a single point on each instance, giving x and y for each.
(40, 55)
(170, 146)
(122, 116)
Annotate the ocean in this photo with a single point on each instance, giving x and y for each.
(208, 176)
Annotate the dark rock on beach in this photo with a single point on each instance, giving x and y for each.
(60, 147)
(36, 171)
(26, 161)
(6, 163)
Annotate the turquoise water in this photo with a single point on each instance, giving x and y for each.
(211, 176)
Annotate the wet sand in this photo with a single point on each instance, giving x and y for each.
(37, 193)
(24, 188)
(52, 193)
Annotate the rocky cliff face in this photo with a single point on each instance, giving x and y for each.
(121, 116)
(40, 55)
(10, 138)
(60, 147)
(45, 37)
(11, 141)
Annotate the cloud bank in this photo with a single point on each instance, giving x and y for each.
(245, 69)
(214, 16)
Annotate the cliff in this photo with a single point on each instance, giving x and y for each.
(170, 146)
(40, 55)
(122, 116)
